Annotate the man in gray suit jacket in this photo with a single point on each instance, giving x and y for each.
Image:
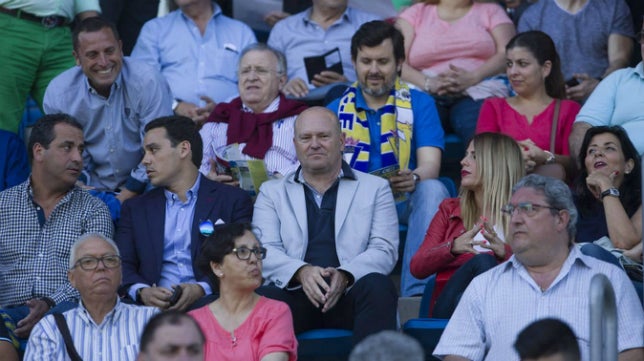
(331, 234)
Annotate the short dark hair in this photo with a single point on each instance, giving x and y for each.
(43, 132)
(171, 317)
(547, 337)
(90, 25)
(631, 188)
(178, 129)
(373, 33)
(217, 246)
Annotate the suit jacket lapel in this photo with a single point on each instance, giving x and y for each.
(297, 202)
(206, 200)
(155, 216)
(346, 191)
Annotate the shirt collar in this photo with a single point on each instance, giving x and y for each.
(270, 108)
(345, 16)
(574, 257)
(216, 11)
(110, 317)
(639, 69)
(117, 83)
(190, 194)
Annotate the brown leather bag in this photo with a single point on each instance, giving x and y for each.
(554, 170)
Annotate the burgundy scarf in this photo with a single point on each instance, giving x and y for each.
(256, 130)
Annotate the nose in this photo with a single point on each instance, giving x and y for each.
(102, 59)
(512, 69)
(77, 155)
(146, 159)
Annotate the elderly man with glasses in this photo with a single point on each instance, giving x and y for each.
(260, 120)
(101, 327)
(546, 277)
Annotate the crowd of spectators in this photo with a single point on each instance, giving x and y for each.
(193, 193)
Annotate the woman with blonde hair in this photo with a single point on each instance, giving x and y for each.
(466, 236)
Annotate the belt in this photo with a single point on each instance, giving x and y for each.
(49, 22)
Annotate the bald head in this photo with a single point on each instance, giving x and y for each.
(319, 141)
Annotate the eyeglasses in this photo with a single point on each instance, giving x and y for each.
(243, 252)
(524, 208)
(91, 263)
(260, 72)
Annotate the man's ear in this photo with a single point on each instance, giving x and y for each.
(563, 218)
(76, 57)
(37, 151)
(70, 277)
(185, 149)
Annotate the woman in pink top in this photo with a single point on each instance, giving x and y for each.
(455, 52)
(241, 325)
(534, 70)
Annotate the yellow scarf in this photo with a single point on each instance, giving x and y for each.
(396, 127)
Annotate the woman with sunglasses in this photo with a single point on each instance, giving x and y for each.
(466, 236)
(241, 325)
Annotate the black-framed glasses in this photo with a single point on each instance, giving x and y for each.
(91, 263)
(243, 252)
(524, 208)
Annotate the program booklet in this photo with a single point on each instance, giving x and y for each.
(250, 173)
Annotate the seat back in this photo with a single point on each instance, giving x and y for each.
(324, 345)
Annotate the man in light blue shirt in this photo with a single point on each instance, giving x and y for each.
(617, 100)
(546, 277)
(113, 97)
(196, 48)
(327, 25)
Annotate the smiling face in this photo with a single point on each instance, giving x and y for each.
(469, 172)
(62, 161)
(238, 273)
(606, 155)
(259, 80)
(376, 68)
(100, 57)
(99, 283)
(526, 75)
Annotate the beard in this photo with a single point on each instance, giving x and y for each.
(388, 84)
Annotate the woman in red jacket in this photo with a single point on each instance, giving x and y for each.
(466, 236)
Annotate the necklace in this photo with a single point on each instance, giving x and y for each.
(233, 338)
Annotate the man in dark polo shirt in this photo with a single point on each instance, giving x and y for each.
(331, 234)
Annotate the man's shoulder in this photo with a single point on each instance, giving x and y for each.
(67, 81)
(208, 186)
(135, 71)
(369, 180)
(9, 195)
(361, 16)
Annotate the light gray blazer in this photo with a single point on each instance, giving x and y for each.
(366, 226)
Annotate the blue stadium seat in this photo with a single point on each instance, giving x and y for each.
(29, 117)
(324, 345)
(427, 331)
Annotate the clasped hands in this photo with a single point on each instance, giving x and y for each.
(465, 242)
(160, 296)
(318, 290)
(453, 82)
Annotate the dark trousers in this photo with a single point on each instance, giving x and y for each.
(448, 299)
(370, 306)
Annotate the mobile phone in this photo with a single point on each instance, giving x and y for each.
(176, 295)
(572, 82)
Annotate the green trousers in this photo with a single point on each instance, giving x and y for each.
(30, 57)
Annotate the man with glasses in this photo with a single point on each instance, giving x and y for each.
(161, 231)
(546, 277)
(331, 235)
(260, 120)
(101, 327)
(39, 221)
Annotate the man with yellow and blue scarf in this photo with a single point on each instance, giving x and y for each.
(393, 131)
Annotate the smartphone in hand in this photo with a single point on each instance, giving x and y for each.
(176, 295)
(572, 82)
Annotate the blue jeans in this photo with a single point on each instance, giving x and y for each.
(17, 313)
(459, 115)
(418, 212)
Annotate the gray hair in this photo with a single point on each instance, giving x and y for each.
(388, 346)
(281, 59)
(557, 193)
(86, 237)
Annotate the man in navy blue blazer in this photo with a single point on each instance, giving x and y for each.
(158, 235)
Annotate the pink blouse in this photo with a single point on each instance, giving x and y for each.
(268, 329)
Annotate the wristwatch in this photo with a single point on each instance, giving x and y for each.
(550, 158)
(416, 178)
(613, 192)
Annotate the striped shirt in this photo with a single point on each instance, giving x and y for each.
(115, 339)
(498, 304)
(34, 251)
(280, 157)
